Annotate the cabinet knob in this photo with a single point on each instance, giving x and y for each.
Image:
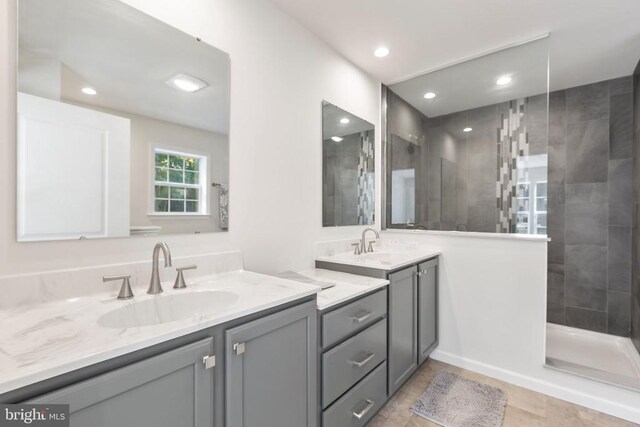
(238, 348)
(209, 362)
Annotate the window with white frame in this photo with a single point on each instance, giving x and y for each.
(540, 208)
(179, 185)
(523, 202)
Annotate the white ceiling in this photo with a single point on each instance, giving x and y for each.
(127, 56)
(591, 40)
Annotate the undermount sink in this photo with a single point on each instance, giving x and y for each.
(166, 308)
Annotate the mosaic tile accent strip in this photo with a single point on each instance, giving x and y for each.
(366, 181)
(512, 143)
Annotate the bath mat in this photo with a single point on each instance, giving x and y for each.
(455, 401)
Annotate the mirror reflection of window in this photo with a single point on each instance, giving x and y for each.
(180, 183)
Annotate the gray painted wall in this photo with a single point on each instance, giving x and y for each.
(591, 206)
(635, 282)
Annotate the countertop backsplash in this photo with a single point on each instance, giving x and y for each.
(42, 287)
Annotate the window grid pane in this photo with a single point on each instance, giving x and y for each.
(177, 183)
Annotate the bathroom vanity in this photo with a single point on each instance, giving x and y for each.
(412, 311)
(165, 360)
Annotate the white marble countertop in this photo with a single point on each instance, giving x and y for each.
(345, 286)
(42, 341)
(386, 258)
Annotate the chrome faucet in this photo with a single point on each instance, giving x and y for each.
(363, 242)
(154, 286)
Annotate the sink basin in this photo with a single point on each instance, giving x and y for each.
(167, 308)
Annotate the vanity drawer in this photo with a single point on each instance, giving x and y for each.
(344, 321)
(358, 406)
(348, 363)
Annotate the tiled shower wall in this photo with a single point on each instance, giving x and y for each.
(348, 184)
(635, 283)
(591, 206)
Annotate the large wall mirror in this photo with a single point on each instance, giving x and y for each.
(123, 124)
(348, 168)
(466, 145)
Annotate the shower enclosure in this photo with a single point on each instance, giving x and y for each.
(495, 145)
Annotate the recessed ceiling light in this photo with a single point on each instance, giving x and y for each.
(429, 95)
(336, 139)
(89, 91)
(186, 83)
(467, 129)
(344, 120)
(503, 80)
(381, 52)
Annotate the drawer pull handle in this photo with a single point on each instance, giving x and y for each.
(362, 316)
(367, 358)
(361, 414)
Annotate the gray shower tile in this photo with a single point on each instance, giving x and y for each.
(536, 119)
(588, 102)
(586, 277)
(555, 276)
(587, 151)
(586, 214)
(557, 119)
(556, 223)
(621, 85)
(619, 259)
(621, 126)
(618, 313)
(555, 306)
(591, 320)
(621, 192)
(635, 324)
(557, 162)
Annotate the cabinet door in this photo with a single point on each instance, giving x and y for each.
(271, 370)
(427, 309)
(171, 389)
(403, 331)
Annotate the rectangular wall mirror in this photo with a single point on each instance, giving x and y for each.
(348, 168)
(466, 145)
(123, 124)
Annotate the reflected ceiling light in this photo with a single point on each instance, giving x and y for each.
(89, 91)
(344, 121)
(186, 83)
(503, 80)
(467, 129)
(336, 139)
(429, 95)
(381, 52)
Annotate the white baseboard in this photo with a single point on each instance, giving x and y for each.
(553, 389)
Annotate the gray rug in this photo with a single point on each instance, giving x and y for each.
(455, 401)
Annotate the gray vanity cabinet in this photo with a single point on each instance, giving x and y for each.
(168, 390)
(270, 370)
(403, 327)
(427, 309)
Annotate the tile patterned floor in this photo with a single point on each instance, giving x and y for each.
(524, 407)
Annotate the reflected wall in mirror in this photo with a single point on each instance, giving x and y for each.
(123, 124)
(466, 145)
(348, 168)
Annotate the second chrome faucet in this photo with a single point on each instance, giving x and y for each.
(154, 285)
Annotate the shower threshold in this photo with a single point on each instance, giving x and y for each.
(593, 355)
